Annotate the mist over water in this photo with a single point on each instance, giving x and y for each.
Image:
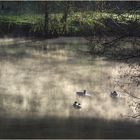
(41, 78)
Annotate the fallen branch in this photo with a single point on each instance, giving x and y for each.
(112, 41)
(134, 116)
(129, 57)
(128, 93)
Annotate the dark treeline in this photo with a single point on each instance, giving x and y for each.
(58, 6)
(70, 18)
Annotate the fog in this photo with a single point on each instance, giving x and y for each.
(40, 78)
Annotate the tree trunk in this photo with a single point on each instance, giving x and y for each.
(46, 19)
(65, 16)
(2, 5)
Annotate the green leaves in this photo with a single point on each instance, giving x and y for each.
(77, 22)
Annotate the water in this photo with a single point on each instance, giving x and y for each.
(38, 84)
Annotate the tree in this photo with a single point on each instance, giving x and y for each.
(46, 18)
(2, 5)
(66, 11)
(124, 24)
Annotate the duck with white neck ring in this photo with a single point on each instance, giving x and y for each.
(76, 105)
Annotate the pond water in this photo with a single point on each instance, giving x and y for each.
(39, 79)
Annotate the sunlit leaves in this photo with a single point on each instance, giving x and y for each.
(76, 21)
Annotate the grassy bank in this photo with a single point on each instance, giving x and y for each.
(78, 23)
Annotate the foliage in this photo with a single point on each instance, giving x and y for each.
(83, 18)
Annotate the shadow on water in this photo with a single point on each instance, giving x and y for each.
(120, 50)
(15, 98)
(51, 127)
(22, 48)
(117, 50)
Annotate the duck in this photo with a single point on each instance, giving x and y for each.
(82, 93)
(76, 105)
(114, 94)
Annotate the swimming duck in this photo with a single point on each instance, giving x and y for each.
(114, 94)
(76, 105)
(82, 93)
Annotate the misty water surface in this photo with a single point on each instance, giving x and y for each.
(39, 78)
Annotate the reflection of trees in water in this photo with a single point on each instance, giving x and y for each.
(119, 48)
(127, 51)
(128, 82)
(13, 103)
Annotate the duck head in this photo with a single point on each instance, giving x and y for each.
(84, 92)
